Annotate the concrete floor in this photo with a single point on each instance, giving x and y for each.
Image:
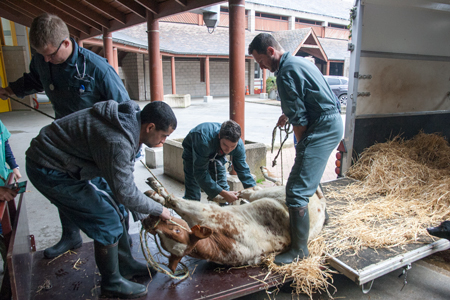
(424, 281)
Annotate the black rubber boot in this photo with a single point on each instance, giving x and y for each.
(70, 238)
(442, 231)
(299, 228)
(113, 284)
(327, 218)
(129, 267)
(127, 227)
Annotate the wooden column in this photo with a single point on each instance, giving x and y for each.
(237, 62)
(328, 68)
(108, 46)
(208, 87)
(174, 82)
(155, 64)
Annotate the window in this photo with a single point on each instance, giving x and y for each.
(336, 68)
(337, 26)
(258, 72)
(298, 20)
(269, 16)
(333, 81)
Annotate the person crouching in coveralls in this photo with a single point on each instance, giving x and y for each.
(204, 160)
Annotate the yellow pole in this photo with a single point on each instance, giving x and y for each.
(5, 105)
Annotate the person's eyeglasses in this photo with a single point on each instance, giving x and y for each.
(54, 53)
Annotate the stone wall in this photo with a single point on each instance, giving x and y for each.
(134, 71)
(134, 77)
(187, 74)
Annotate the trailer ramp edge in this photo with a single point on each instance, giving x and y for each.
(384, 267)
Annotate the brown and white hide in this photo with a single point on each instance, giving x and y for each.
(232, 235)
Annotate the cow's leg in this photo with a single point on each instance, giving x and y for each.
(156, 197)
(190, 211)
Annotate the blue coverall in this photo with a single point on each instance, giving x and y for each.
(307, 100)
(204, 167)
(81, 81)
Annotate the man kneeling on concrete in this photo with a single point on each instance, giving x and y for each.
(204, 160)
(68, 155)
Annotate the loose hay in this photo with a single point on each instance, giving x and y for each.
(309, 275)
(403, 188)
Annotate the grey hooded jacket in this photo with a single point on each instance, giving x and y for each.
(101, 141)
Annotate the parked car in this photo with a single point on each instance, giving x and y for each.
(339, 85)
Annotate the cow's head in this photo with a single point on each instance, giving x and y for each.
(176, 237)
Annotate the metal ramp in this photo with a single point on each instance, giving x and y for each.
(370, 264)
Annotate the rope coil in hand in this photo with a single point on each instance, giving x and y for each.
(144, 236)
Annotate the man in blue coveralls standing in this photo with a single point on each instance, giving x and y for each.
(204, 160)
(309, 104)
(73, 78)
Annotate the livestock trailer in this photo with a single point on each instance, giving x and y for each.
(399, 84)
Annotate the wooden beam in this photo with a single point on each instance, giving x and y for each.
(182, 2)
(134, 6)
(24, 7)
(84, 10)
(168, 8)
(127, 48)
(14, 15)
(131, 20)
(33, 12)
(68, 10)
(151, 5)
(68, 19)
(107, 9)
(310, 46)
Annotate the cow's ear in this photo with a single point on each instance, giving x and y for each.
(173, 262)
(201, 232)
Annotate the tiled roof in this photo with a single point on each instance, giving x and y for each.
(182, 39)
(290, 39)
(330, 8)
(334, 48)
(187, 39)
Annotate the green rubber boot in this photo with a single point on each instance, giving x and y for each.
(70, 238)
(299, 228)
(113, 284)
(128, 266)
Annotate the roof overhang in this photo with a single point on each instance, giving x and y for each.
(88, 18)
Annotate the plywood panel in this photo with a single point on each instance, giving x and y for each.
(403, 85)
(404, 27)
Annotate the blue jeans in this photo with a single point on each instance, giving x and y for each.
(90, 204)
(192, 188)
(311, 157)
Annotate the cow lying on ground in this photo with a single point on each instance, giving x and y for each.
(232, 235)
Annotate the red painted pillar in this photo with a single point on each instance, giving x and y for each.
(208, 88)
(264, 82)
(237, 62)
(115, 60)
(174, 82)
(155, 64)
(108, 46)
